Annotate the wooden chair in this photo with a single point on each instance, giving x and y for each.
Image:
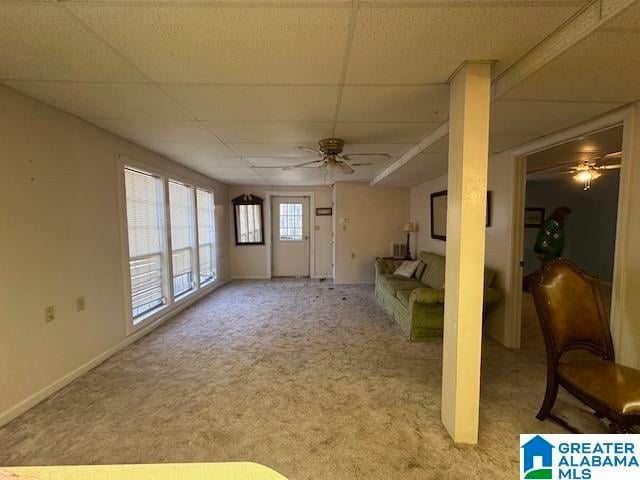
(572, 317)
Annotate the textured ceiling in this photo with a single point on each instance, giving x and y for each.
(588, 147)
(227, 87)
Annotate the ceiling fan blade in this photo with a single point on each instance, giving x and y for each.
(289, 167)
(613, 155)
(552, 168)
(362, 164)
(312, 150)
(607, 167)
(348, 156)
(346, 169)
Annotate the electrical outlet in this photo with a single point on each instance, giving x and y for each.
(81, 304)
(50, 313)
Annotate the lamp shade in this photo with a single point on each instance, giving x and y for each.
(408, 227)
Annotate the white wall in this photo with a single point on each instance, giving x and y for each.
(591, 227)
(59, 240)
(421, 216)
(250, 261)
(500, 180)
(626, 329)
(375, 216)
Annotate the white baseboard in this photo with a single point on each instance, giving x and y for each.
(251, 277)
(34, 399)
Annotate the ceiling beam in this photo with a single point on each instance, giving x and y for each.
(578, 27)
(405, 158)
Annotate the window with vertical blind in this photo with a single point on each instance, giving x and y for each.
(145, 223)
(171, 240)
(182, 237)
(206, 235)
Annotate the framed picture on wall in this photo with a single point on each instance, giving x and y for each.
(439, 214)
(533, 217)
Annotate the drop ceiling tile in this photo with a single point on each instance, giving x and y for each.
(363, 132)
(232, 175)
(275, 162)
(425, 45)
(393, 149)
(200, 161)
(42, 42)
(299, 176)
(189, 149)
(395, 103)
(151, 131)
(629, 18)
(596, 69)
(440, 146)
(500, 143)
(541, 118)
(270, 132)
(271, 149)
(105, 100)
(226, 44)
(257, 103)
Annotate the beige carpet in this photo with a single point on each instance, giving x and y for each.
(313, 381)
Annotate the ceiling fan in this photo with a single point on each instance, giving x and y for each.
(587, 170)
(330, 157)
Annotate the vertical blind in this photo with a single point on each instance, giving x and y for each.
(206, 235)
(182, 228)
(144, 219)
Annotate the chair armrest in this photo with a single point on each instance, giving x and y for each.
(490, 296)
(426, 295)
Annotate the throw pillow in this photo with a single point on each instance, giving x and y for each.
(407, 268)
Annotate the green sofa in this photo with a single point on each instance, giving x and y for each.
(417, 303)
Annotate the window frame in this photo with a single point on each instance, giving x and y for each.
(169, 307)
(248, 200)
(193, 239)
(214, 246)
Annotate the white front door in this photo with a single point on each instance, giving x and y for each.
(290, 232)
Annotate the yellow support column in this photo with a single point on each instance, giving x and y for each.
(466, 217)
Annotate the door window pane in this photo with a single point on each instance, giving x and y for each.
(291, 221)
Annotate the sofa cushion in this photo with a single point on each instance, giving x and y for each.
(393, 283)
(407, 269)
(433, 275)
(403, 296)
(419, 271)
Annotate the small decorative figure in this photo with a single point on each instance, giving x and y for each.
(550, 239)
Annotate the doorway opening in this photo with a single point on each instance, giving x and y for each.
(290, 236)
(571, 209)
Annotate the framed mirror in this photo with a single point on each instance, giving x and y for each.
(248, 219)
(439, 214)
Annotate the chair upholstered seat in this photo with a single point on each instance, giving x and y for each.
(572, 317)
(617, 386)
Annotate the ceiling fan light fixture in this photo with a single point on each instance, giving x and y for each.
(586, 176)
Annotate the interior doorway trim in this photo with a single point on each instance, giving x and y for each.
(513, 304)
(312, 230)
